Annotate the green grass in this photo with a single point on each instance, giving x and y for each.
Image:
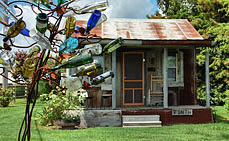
(11, 117)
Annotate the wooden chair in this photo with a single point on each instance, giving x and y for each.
(106, 93)
(156, 90)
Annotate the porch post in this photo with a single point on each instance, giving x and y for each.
(165, 78)
(207, 80)
(114, 80)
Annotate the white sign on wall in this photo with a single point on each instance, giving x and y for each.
(181, 112)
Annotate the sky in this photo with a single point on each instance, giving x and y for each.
(137, 9)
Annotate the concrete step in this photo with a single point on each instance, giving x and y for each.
(142, 124)
(129, 118)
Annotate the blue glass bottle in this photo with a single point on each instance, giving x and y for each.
(68, 45)
(95, 16)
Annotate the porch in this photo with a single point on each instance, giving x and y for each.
(193, 114)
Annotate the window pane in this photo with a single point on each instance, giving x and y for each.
(171, 61)
(171, 74)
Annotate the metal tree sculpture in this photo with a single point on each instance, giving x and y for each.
(30, 69)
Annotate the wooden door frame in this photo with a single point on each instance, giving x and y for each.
(123, 80)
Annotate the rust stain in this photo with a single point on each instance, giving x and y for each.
(150, 29)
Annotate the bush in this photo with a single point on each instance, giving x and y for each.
(44, 87)
(6, 96)
(226, 105)
(59, 103)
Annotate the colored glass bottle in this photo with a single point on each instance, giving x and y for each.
(70, 26)
(34, 51)
(42, 22)
(24, 32)
(7, 59)
(113, 45)
(102, 19)
(99, 5)
(2, 22)
(72, 83)
(101, 78)
(40, 39)
(93, 20)
(28, 68)
(51, 27)
(15, 29)
(68, 45)
(75, 61)
(94, 49)
(87, 69)
(61, 1)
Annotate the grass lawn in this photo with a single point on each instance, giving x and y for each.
(11, 117)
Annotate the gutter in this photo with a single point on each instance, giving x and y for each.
(157, 43)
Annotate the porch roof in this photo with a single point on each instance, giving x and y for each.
(150, 31)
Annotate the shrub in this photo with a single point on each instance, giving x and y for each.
(226, 105)
(6, 96)
(59, 103)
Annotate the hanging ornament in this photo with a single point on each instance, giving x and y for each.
(70, 26)
(68, 45)
(28, 68)
(7, 58)
(113, 45)
(87, 69)
(102, 78)
(34, 51)
(95, 16)
(75, 61)
(99, 5)
(15, 29)
(42, 22)
(40, 39)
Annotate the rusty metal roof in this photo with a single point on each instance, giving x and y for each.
(146, 29)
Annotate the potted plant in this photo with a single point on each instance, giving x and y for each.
(6, 95)
(62, 108)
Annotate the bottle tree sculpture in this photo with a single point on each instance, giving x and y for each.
(31, 68)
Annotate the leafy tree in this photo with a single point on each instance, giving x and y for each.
(210, 18)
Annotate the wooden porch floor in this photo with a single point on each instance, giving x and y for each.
(146, 107)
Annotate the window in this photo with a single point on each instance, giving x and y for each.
(172, 65)
(175, 66)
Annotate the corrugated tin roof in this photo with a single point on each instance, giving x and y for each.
(146, 29)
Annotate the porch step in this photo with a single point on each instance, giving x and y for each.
(141, 121)
(142, 124)
(127, 118)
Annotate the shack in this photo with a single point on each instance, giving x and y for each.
(155, 73)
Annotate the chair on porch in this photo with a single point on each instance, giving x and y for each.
(106, 94)
(156, 90)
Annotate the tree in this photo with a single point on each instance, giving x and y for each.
(210, 18)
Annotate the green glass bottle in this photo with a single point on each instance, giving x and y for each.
(75, 61)
(61, 1)
(42, 22)
(51, 27)
(102, 78)
(113, 45)
(28, 68)
(34, 51)
(87, 69)
(70, 26)
(15, 29)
